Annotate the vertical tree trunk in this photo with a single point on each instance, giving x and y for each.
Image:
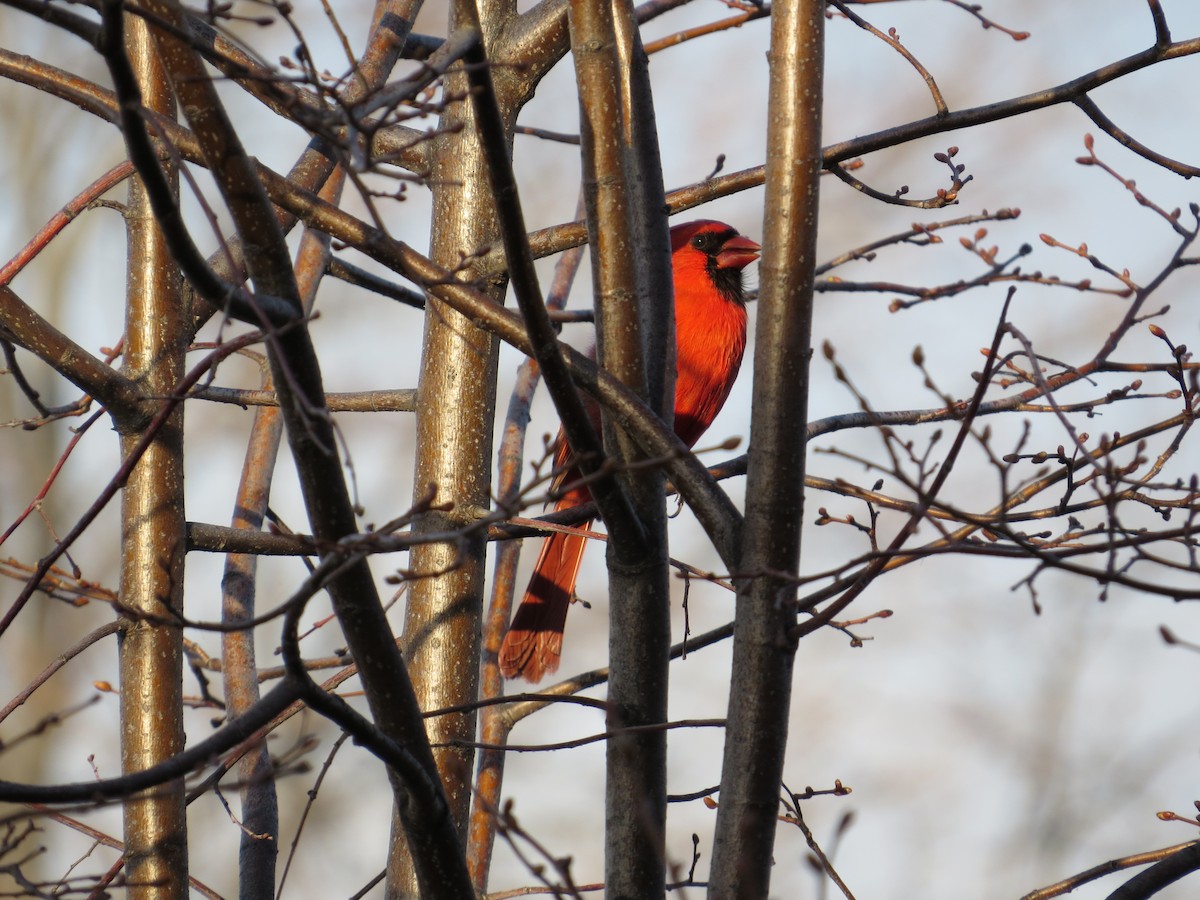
(764, 636)
(631, 271)
(455, 417)
(152, 535)
(259, 841)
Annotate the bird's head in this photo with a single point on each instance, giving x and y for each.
(712, 250)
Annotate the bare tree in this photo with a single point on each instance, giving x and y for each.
(250, 286)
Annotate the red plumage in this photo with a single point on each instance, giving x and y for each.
(707, 259)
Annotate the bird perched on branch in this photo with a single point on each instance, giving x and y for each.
(707, 259)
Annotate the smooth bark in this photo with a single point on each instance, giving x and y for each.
(764, 642)
(153, 535)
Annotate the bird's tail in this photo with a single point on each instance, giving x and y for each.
(533, 645)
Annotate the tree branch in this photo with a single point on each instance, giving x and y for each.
(25, 328)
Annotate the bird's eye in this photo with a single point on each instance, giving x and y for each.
(711, 242)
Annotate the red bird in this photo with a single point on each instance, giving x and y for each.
(707, 259)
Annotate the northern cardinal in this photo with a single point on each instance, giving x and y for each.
(707, 259)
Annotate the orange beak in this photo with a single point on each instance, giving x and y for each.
(737, 253)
